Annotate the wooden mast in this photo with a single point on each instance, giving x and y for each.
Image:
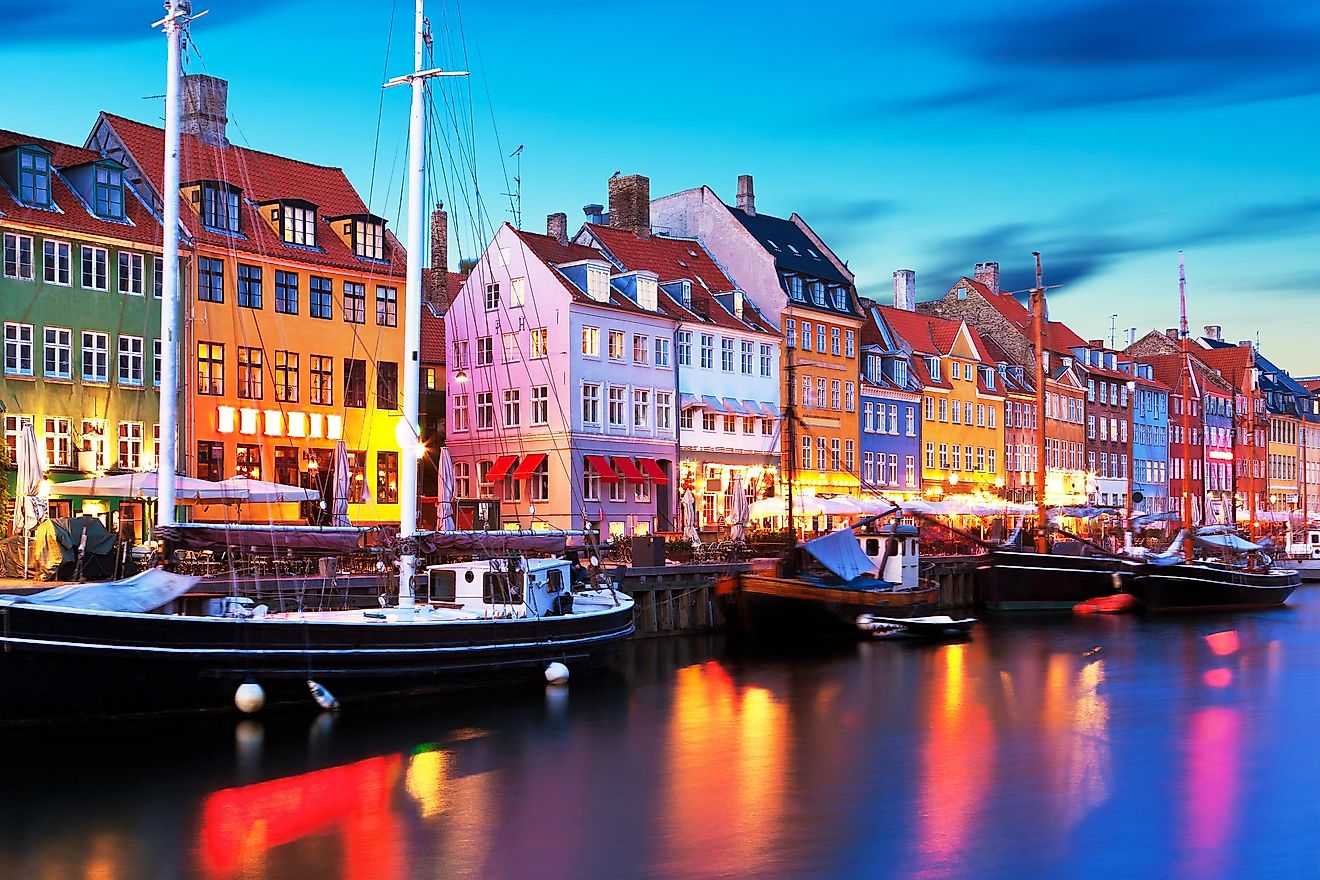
(1187, 412)
(1038, 340)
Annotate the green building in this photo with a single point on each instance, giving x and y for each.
(80, 304)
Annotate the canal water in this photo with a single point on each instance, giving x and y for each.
(1089, 747)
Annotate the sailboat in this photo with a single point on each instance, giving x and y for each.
(1042, 578)
(1178, 580)
(508, 618)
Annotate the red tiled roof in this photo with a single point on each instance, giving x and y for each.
(73, 216)
(675, 259)
(926, 334)
(262, 177)
(435, 302)
(554, 253)
(1061, 336)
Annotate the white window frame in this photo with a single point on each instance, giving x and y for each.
(131, 361)
(94, 259)
(57, 340)
(15, 246)
(18, 349)
(57, 262)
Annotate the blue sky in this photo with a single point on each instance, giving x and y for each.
(1105, 134)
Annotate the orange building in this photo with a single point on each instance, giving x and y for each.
(292, 335)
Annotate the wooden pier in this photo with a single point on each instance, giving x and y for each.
(674, 599)
(956, 576)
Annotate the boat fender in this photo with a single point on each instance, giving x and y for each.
(260, 611)
(556, 673)
(323, 697)
(249, 697)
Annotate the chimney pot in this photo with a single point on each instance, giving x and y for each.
(988, 274)
(630, 203)
(746, 195)
(556, 226)
(595, 213)
(204, 110)
(905, 290)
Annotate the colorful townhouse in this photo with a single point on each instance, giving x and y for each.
(961, 430)
(561, 390)
(1310, 467)
(1215, 433)
(725, 354)
(798, 283)
(294, 291)
(81, 291)
(1021, 424)
(891, 405)
(1148, 444)
(1108, 424)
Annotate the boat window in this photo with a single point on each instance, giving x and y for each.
(555, 580)
(872, 546)
(498, 588)
(469, 576)
(444, 585)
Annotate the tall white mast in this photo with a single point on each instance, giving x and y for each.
(175, 24)
(412, 310)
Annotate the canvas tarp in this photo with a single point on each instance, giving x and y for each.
(840, 553)
(141, 593)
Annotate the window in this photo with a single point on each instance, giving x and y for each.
(590, 483)
(18, 256)
(616, 343)
(355, 383)
(790, 332)
(821, 400)
(369, 239)
(868, 467)
(641, 349)
(95, 266)
(510, 343)
(96, 357)
(707, 352)
(55, 266)
(540, 404)
(617, 415)
(130, 445)
(355, 302)
(817, 292)
(749, 425)
(157, 277)
(834, 394)
(462, 479)
(387, 477)
(980, 458)
(767, 354)
(460, 413)
(957, 457)
(990, 416)
(820, 338)
(220, 208)
(591, 341)
(387, 306)
(59, 442)
(850, 455)
(512, 408)
(540, 340)
(641, 408)
(320, 297)
(210, 460)
(930, 455)
(485, 410)
(664, 410)
(944, 456)
(911, 421)
(517, 292)
(850, 348)
(834, 340)
(708, 422)
(34, 178)
(850, 396)
(132, 273)
(930, 408)
(726, 354)
(58, 353)
(806, 336)
(910, 468)
(748, 357)
(210, 280)
(957, 413)
(286, 292)
(539, 482)
(685, 418)
(210, 368)
(286, 376)
(130, 360)
(249, 286)
(684, 348)
(18, 349)
(387, 385)
(323, 379)
(820, 452)
(485, 351)
(492, 296)
(804, 460)
(868, 418)
(730, 424)
(591, 404)
(795, 287)
(980, 415)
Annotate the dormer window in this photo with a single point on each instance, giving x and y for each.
(34, 178)
(901, 373)
(933, 367)
(369, 239)
(818, 293)
(795, 288)
(685, 293)
(646, 297)
(108, 192)
(219, 207)
(298, 223)
(598, 283)
(841, 299)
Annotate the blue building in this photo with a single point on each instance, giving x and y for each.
(1150, 439)
(890, 424)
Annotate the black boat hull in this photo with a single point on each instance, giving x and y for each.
(1008, 580)
(1210, 588)
(756, 606)
(59, 664)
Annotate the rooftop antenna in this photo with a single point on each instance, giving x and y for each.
(515, 197)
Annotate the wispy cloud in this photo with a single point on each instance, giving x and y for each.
(106, 21)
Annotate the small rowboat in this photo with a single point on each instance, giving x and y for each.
(939, 626)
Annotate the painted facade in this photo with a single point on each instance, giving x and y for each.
(1150, 440)
(890, 414)
(1108, 425)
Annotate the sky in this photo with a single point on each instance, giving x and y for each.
(1107, 134)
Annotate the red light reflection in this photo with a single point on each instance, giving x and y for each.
(1224, 643)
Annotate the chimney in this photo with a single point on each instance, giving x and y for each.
(988, 274)
(1132, 336)
(1096, 343)
(556, 226)
(746, 195)
(595, 213)
(1172, 333)
(440, 238)
(630, 203)
(905, 290)
(1214, 331)
(204, 108)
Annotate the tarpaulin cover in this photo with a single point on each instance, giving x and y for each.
(314, 539)
(495, 542)
(840, 553)
(141, 593)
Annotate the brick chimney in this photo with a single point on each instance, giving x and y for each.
(1172, 333)
(556, 226)
(205, 108)
(630, 203)
(988, 274)
(440, 238)
(746, 195)
(905, 290)
(1214, 331)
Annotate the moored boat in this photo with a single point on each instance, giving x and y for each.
(1211, 586)
(1021, 580)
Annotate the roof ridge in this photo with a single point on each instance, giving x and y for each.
(231, 146)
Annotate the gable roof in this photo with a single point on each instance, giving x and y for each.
(792, 249)
(926, 334)
(554, 253)
(263, 178)
(1060, 337)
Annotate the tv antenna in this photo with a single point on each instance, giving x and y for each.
(515, 197)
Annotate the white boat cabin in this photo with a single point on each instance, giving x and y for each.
(896, 551)
(501, 587)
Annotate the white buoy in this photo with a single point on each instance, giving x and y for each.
(556, 673)
(323, 697)
(249, 697)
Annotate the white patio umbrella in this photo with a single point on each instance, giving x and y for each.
(266, 492)
(343, 482)
(687, 512)
(29, 507)
(741, 512)
(444, 504)
(143, 485)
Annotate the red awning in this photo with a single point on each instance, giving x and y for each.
(629, 470)
(601, 466)
(500, 469)
(529, 465)
(654, 471)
